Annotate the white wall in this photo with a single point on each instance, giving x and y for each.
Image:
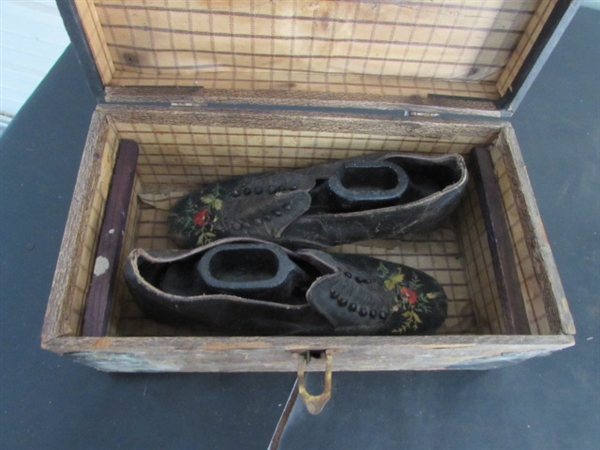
(32, 37)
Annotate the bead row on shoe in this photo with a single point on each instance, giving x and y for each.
(259, 190)
(358, 279)
(258, 221)
(352, 307)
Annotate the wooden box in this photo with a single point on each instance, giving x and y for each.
(178, 78)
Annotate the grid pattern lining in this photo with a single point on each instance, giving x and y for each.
(530, 289)
(177, 158)
(121, 291)
(382, 48)
(457, 254)
(478, 258)
(479, 267)
(326, 83)
(185, 156)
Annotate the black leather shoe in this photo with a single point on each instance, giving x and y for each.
(376, 196)
(251, 287)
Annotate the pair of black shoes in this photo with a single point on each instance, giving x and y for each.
(240, 279)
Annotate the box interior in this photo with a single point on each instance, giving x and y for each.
(175, 158)
(412, 48)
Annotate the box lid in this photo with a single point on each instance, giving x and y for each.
(426, 57)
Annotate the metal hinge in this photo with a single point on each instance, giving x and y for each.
(194, 104)
(421, 114)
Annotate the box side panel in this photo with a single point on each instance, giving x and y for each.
(547, 308)
(537, 317)
(540, 289)
(86, 260)
(541, 315)
(75, 259)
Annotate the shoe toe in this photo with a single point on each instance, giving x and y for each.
(365, 295)
(259, 206)
(351, 304)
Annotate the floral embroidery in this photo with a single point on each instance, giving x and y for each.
(411, 301)
(408, 295)
(201, 217)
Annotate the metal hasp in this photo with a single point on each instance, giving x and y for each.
(314, 403)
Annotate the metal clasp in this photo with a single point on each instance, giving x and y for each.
(314, 403)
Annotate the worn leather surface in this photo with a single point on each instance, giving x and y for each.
(349, 294)
(279, 207)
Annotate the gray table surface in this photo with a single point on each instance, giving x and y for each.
(49, 402)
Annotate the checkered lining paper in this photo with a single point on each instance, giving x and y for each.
(177, 158)
(452, 47)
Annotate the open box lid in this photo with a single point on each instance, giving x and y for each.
(426, 57)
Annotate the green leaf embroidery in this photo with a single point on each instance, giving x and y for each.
(206, 232)
(401, 284)
(208, 199)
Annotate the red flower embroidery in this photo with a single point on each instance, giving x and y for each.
(202, 217)
(408, 295)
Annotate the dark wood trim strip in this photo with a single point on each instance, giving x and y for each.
(99, 298)
(507, 279)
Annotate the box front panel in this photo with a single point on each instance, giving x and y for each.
(280, 354)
